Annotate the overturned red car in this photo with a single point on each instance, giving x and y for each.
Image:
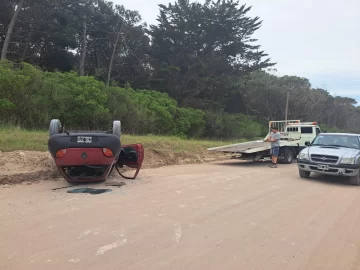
(82, 156)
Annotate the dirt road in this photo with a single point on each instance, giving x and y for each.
(210, 216)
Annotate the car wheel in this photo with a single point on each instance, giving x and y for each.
(55, 126)
(304, 174)
(117, 128)
(355, 180)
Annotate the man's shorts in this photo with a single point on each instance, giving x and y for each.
(275, 151)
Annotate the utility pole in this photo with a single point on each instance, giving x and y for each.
(287, 107)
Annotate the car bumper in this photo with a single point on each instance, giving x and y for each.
(332, 169)
(85, 165)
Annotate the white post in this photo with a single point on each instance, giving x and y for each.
(286, 107)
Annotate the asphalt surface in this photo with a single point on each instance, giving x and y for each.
(213, 216)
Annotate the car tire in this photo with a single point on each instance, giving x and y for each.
(55, 126)
(304, 174)
(288, 156)
(116, 128)
(355, 180)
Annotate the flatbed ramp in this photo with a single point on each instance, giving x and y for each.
(242, 147)
(251, 147)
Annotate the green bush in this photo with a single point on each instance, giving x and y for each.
(145, 112)
(233, 126)
(17, 87)
(77, 101)
(30, 98)
(190, 121)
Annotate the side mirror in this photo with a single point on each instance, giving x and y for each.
(307, 143)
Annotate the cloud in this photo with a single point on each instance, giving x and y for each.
(341, 84)
(310, 36)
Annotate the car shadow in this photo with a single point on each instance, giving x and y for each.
(90, 184)
(314, 178)
(328, 180)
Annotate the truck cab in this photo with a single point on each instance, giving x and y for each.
(307, 131)
(292, 130)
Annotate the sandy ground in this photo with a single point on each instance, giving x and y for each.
(29, 166)
(211, 216)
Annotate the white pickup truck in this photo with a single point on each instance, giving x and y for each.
(294, 135)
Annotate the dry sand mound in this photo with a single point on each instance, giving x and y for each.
(20, 166)
(32, 166)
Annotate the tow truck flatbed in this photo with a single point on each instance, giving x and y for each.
(293, 135)
(251, 147)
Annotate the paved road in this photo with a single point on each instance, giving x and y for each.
(213, 216)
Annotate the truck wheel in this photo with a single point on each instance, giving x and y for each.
(54, 127)
(304, 174)
(116, 128)
(288, 156)
(355, 180)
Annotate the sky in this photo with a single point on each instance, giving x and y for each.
(315, 39)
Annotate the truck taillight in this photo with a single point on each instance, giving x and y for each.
(107, 152)
(60, 153)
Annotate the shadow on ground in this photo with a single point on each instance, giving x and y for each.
(314, 178)
(328, 180)
(245, 164)
(88, 186)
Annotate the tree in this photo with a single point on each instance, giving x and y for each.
(85, 9)
(124, 19)
(197, 49)
(116, 45)
(44, 36)
(10, 30)
(202, 54)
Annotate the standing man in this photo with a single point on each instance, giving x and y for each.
(274, 139)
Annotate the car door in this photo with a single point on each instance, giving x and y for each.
(132, 156)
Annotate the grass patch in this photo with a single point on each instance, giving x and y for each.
(13, 138)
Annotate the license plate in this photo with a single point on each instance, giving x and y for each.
(323, 167)
(81, 139)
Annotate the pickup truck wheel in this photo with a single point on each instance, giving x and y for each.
(355, 180)
(288, 156)
(304, 174)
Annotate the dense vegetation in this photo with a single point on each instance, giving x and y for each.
(197, 73)
(30, 98)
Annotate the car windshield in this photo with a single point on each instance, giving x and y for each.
(337, 141)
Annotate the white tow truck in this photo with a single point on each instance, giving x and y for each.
(294, 135)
